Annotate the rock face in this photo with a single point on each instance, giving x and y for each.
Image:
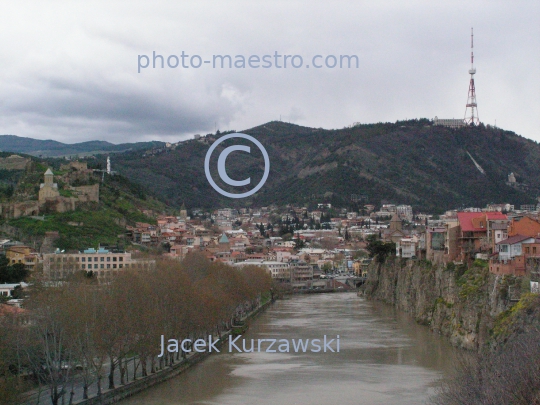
(460, 303)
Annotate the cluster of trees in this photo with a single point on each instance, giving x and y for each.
(96, 328)
(12, 273)
(378, 249)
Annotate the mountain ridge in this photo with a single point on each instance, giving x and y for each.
(52, 148)
(411, 162)
(432, 168)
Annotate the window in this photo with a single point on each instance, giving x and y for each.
(108, 265)
(101, 259)
(120, 265)
(108, 259)
(114, 259)
(527, 250)
(114, 266)
(83, 266)
(95, 259)
(102, 266)
(95, 266)
(121, 258)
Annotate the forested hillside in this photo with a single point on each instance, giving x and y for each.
(408, 162)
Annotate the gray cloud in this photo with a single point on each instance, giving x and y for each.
(70, 68)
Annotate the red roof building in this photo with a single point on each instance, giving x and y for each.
(475, 232)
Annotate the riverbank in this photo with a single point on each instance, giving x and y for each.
(384, 359)
(164, 374)
(470, 306)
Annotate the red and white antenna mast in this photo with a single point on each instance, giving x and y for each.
(471, 109)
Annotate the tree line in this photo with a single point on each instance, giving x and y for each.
(80, 326)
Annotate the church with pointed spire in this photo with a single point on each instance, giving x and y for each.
(48, 189)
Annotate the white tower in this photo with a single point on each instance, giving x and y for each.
(108, 165)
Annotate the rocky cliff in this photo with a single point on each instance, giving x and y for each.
(468, 305)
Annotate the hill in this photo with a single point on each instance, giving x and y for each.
(121, 203)
(411, 162)
(50, 148)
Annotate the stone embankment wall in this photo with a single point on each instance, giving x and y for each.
(467, 305)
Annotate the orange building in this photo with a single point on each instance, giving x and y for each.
(475, 233)
(526, 226)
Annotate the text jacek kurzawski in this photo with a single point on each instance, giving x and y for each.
(240, 345)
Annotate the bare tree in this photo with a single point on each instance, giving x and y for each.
(510, 376)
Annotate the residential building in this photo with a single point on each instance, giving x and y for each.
(279, 271)
(300, 271)
(473, 236)
(441, 242)
(405, 212)
(512, 247)
(6, 290)
(406, 248)
(524, 226)
(22, 254)
(102, 262)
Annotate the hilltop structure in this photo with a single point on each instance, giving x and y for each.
(471, 108)
(50, 198)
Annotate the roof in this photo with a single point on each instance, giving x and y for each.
(49, 171)
(9, 286)
(466, 220)
(514, 239)
(223, 239)
(492, 216)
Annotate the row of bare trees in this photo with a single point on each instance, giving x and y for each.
(80, 331)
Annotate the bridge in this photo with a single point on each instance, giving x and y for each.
(355, 282)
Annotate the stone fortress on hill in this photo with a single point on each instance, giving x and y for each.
(53, 199)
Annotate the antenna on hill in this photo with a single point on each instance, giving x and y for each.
(472, 116)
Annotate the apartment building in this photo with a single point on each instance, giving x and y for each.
(102, 262)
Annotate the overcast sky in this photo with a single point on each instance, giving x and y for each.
(69, 69)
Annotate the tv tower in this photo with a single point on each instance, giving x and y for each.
(472, 116)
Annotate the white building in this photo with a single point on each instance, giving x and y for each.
(406, 248)
(6, 290)
(102, 262)
(228, 213)
(451, 123)
(405, 212)
(278, 270)
(512, 247)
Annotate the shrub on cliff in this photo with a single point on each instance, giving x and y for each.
(510, 376)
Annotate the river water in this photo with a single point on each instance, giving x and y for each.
(384, 358)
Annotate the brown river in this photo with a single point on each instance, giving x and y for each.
(384, 358)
